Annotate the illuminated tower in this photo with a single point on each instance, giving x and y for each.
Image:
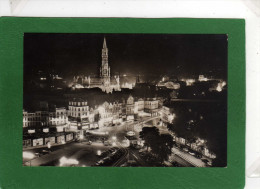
(105, 69)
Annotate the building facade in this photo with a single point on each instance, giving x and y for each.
(167, 115)
(151, 106)
(58, 118)
(81, 116)
(105, 81)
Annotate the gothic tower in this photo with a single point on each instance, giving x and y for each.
(105, 69)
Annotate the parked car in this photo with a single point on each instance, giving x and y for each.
(207, 162)
(192, 153)
(89, 142)
(106, 143)
(98, 163)
(43, 152)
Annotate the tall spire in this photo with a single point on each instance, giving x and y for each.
(104, 44)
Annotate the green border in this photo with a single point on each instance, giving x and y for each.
(13, 175)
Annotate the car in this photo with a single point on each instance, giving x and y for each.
(89, 142)
(114, 149)
(107, 143)
(185, 149)
(44, 152)
(98, 163)
(142, 154)
(192, 153)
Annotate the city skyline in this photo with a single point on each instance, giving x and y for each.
(81, 108)
(75, 54)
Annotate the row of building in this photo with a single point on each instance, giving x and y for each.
(79, 115)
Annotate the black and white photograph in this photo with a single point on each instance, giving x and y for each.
(125, 100)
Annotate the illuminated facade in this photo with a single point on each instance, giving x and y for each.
(151, 106)
(80, 115)
(58, 118)
(35, 119)
(105, 82)
(166, 115)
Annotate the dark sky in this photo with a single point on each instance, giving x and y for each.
(180, 55)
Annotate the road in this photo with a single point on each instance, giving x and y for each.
(82, 152)
(86, 154)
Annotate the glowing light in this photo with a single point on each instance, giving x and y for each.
(126, 143)
(99, 152)
(101, 110)
(124, 75)
(190, 82)
(81, 137)
(28, 155)
(114, 138)
(171, 118)
(65, 161)
(78, 86)
(130, 133)
(49, 145)
(202, 78)
(127, 85)
(219, 87)
(113, 144)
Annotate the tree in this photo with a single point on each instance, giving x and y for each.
(163, 148)
(160, 144)
(149, 135)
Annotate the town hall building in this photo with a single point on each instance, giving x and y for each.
(104, 81)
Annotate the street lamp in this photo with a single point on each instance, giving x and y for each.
(28, 155)
(49, 145)
(99, 152)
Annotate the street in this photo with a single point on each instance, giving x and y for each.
(85, 154)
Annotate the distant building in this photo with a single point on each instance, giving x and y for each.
(80, 115)
(35, 119)
(58, 119)
(105, 82)
(40, 120)
(202, 78)
(151, 106)
(167, 115)
(140, 104)
(130, 104)
(169, 82)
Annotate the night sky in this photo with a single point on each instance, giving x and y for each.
(132, 54)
